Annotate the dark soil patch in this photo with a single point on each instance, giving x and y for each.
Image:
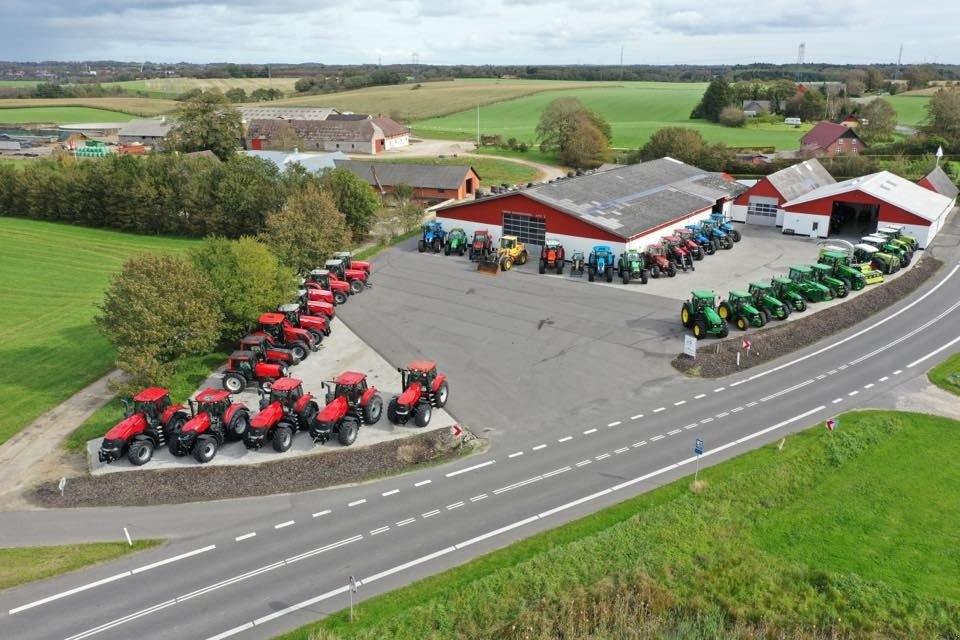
(779, 339)
(174, 486)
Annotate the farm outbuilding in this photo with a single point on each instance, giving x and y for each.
(761, 203)
(859, 205)
(430, 182)
(628, 207)
(940, 182)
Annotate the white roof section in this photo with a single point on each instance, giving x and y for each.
(312, 162)
(888, 187)
(286, 113)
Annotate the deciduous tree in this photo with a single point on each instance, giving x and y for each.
(587, 147)
(943, 115)
(881, 119)
(732, 117)
(207, 121)
(717, 96)
(679, 143)
(307, 230)
(354, 198)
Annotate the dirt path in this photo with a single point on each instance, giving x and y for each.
(34, 455)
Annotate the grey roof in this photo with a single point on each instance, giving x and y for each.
(632, 200)
(798, 179)
(147, 128)
(9, 145)
(316, 130)
(942, 183)
(312, 162)
(286, 113)
(759, 104)
(434, 176)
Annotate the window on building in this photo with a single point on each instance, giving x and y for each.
(816, 225)
(762, 209)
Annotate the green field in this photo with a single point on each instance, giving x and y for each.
(60, 115)
(18, 83)
(634, 109)
(25, 564)
(172, 87)
(853, 534)
(946, 375)
(490, 170)
(911, 110)
(54, 275)
(143, 107)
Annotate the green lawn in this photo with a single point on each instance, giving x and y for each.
(940, 374)
(25, 564)
(853, 533)
(911, 110)
(54, 275)
(490, 170)
(635, 110)
(18, 83)
(60, 115)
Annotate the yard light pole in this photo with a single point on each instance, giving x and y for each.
(478, 124)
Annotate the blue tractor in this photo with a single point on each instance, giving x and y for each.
(717, 236)
(724, 225)
(601, 262)
(694, 233)
(433, 237)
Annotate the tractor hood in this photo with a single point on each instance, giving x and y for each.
(314, 322)
(363, 265)
(712, 317)
(355, 274)
(270, 370)
(128, 427)
(317, 308)
(771, 301)
(333, 411)
(200, 423)
(268, 417)
(410, 395)
(316, 294)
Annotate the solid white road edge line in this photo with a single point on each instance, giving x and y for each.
(509, 527)
(931, 354)
(188, 554)
(473, 468)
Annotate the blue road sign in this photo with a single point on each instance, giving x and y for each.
(698, 447)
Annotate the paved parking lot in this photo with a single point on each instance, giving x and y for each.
(341, 351)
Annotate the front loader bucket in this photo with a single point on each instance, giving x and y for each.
(489, 265)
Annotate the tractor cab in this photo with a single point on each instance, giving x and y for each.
(243, 361)
(321, 277)
(286, 391)
(291, 312)
(350, 385)
(457, 235)
(703, 300)
(272, 325)
(151, 403)
(895, 232)
(350, 263)
(213, 402)
(337, 267)
(508, 243)
(422, 371)
(263, 349)
(481, 239)
(633, 259)
(551, 249)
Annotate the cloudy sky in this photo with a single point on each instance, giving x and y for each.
(488, 31)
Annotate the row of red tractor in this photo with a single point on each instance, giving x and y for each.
(284, 338)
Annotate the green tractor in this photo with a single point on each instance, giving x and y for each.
(783, 288)
(895, 232)
(632, 264)
(739, 309)
(893, 237)
(770, 306)
(869, 258)
(854, 277)
(456, 242)
(883, 245)
(700, 314)
(806, 284)
(823, 274)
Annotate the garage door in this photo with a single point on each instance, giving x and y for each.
(529, 229)
(762, 211)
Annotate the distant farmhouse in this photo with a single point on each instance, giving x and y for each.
(146, 132)
(321, 129)
(430, 182)
(831, 139)
(756, 107)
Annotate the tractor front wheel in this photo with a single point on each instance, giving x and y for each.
(723, 310)
(373, 410)
(446, 249)
(205, 449)
(282, 438)
(234, 383)
(392, 411)
(643, 276)
(560, 265)
(783, 312)
(317, 336)
(608, 274)
(765, 315)
(506, 263)
(422, 414)
(347, 434)
(671, 270)
(307, 415)
(625, 276)
(542, 267)
(339, 297)
(741, 323)
(686, 317)
(299, 351)
(239, 424)
(655, 271)
(440, 397)
(735, 235)
(699, 329)
(140, 452)
(421, 246)
(356, 286)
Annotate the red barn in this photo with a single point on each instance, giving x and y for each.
(627, 207)
(859, 205)
(761, 203)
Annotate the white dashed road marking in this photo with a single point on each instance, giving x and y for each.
(478, 498)
(679, 403)
(723, 415)
(638, 444)
(283, 524)
(379, 531)
(750, 404)
(853, 393)
(692, 425)
(673, 433)
(517, 485)
(659, 409)
(602, 456)
(589, 431)
(357, 503)
(245, 536)
(556, 472)
(698, 396)
(837, 401)
(614, 424)
(636, 417)
(392, 492)
(584, 462)
(455, 505)
(655, 438)
(898, 372)
(430, 514)
(622, 449)
(719, 390)
(422, 482)
(566, 439)
(868, 386)
(514, 455)
(321, 513)
(706, 420)
(405, 522)
(884, 379)
(539, 446)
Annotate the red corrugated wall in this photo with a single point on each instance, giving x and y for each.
(763, 188)
(888, 212)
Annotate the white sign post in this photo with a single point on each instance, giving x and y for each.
(354, 585)
(690, 346)
(62, 486)
(127, 533)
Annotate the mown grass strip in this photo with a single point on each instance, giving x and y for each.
(946, 375)
(20, 565)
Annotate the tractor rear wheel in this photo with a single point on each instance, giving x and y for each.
(172, 428)
(392, 411)
(560, 265)
(266, 385)
(741, 323)
(373, 410)
(347, 434)
(506, 263)
(239, 424)
(460, 250)
(542, 268)
(765, 314)
(724, 330)
(655, 271)
(440, 397)
(783, 312)
(356, 286)
(735, 235)
(522, 258)
(282, 438)
(176, 449)
(234, 383)
(140, 452)
(205, 449)
(422, 414)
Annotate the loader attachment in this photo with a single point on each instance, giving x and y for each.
(489, 264)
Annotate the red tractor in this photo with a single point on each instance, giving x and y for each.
(288, 409)
(350, 403)
(245, 367)
(552, 256)
(261, 344)
(215, 420)
(685, 236)
(677, 253)
(349, 263)
(151, 422)
(659, 262)
(323, 280)
(423, 389)
(286, 336)
(317, 307)
(356, 278)
(481, 246)
(317, 326)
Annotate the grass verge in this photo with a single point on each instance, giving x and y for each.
(842, 534)
(21, 565)
(54, 276)
(941, 374)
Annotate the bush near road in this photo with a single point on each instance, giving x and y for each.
(21, 565)
(846, 534)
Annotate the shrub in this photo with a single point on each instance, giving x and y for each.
(732, 117)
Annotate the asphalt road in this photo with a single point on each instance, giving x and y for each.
(584, 413)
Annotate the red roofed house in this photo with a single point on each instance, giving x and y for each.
(830, 139)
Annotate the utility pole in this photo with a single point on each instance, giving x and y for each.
(896, 74)
(621, 62)
(800, 53)
(478, 124)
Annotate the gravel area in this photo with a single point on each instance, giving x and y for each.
(290, 475)
(716, 359)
